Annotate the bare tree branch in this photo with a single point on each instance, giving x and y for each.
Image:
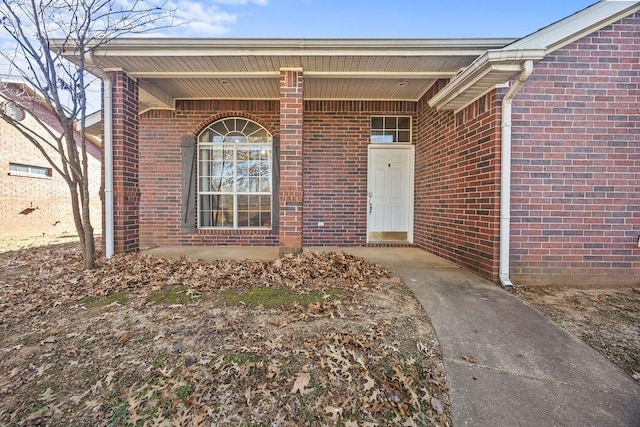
(61, 86)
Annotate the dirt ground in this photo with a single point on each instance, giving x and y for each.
(332, 340)
(17, 243)
(325, 339)
(606, 319)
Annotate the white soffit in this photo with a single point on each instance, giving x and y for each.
(378, 69)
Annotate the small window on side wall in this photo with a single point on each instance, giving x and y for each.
(18, 169)
(391, 130)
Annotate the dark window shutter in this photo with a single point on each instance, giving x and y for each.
(275, 188)
(188, 148)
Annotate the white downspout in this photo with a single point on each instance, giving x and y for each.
(505, 175)
(108, 165)
(107, 141)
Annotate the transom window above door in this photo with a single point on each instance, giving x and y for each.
(391, 129)
(235, 164)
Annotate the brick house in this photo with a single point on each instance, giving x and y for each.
(34, 198)
(516, 159)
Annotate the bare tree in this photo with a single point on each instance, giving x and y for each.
(82, 26)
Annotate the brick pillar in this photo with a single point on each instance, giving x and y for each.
(126, 192)
(291, 118)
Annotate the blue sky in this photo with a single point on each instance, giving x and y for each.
(350, 19)
(370, 18)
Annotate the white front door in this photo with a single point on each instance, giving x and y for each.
(390, 193)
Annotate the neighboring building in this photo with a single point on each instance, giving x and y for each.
(300, 143)
(34, 198)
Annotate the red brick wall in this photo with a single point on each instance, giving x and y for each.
(457, 183)
(125, 163)
(336, 135)
(576, 164)
(335, 168)
(291, 153)
(160, 170)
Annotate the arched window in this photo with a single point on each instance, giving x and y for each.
(235, 159)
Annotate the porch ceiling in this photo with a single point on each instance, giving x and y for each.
(364, 69)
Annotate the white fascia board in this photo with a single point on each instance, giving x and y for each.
(260, 46)
(493, 60)
(284, 47)
(577, 26)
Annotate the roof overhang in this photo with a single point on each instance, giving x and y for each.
(494, 68)
(93, 127)
(363, 69)
(497, 67)
(20, 91)
(171, 69)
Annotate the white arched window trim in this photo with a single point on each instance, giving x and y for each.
(235, 175)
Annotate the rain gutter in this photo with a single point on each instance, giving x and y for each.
(107, 120)
(505, 176)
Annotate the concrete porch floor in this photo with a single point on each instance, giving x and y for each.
(527, 372)
(381, 255)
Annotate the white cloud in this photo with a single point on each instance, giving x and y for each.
(197, 19)
(242, 2)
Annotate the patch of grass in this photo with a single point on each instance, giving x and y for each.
(240, 359)
(119, 297)
(278, 297)
(119, 415)
(184, 392)
(178, 295)
(37, 406)
(159, 361)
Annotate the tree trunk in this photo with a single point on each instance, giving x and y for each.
(83, 226)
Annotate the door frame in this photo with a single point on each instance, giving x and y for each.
(371, 148)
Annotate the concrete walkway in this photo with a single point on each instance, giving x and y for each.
(527, 370)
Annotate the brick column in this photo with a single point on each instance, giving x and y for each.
(291, 118)
(126, 192)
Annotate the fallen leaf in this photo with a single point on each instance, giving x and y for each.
(336, 413)
(369, 384)
(469, 358)
(49, 340)
(300, 383)
(79, 397)
(437, 406)
(247, 395)
(48, 395)
(124, 337)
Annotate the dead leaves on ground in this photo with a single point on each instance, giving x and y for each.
(367, 359)
(606, 319)
(37, 279)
